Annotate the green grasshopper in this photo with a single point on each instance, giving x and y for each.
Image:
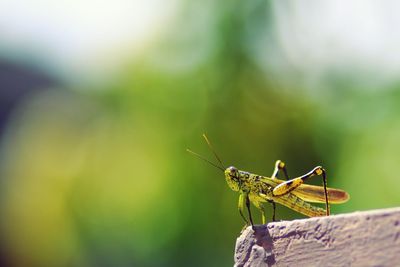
(292, 193)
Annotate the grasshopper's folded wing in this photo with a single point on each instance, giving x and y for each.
(316, 194)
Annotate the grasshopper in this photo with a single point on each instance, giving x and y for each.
(292, 193)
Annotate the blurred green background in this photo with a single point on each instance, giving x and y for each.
(100, 100)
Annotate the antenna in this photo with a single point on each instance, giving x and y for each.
(212, 149)
(206, 160)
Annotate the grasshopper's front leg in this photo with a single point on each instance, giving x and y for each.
(240, 208)
(248, 209)
(244, 198)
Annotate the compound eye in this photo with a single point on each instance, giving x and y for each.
(232, 170)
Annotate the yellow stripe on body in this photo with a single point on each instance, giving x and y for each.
(299, 205)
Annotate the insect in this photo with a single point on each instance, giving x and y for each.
(292, 193)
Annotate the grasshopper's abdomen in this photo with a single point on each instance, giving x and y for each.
(295, 203)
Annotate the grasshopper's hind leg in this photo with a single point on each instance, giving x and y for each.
(290, 185)
(280, 165)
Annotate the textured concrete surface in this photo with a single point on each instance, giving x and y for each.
(370, 238)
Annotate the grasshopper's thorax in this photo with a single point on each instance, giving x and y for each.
(235, 178)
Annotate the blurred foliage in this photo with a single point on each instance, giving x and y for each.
(101, 177)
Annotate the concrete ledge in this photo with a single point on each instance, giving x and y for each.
(370, 238)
